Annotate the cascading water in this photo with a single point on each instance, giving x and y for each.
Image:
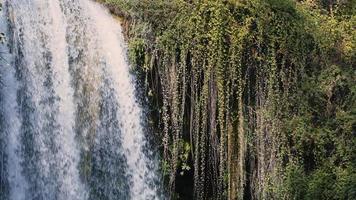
(71, 126)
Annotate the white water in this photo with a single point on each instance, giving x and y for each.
(129, 114)
(72, 121)
(11, 127)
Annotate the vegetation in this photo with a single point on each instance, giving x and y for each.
(252, 99)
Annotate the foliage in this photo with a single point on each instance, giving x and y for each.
(261, 91)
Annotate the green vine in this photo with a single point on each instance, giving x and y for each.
(250, 96)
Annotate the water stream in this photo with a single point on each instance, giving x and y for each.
(71, 126)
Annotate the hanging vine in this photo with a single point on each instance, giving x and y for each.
(227, 81)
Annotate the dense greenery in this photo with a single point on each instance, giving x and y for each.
(252, 99)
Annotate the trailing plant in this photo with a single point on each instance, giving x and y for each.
(252, 99)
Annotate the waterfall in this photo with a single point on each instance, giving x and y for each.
(71, 125)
